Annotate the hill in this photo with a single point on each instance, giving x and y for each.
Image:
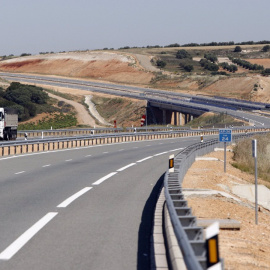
(139, 66)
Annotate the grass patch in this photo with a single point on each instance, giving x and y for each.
(208, 120)
(56, 122)
(244, 161)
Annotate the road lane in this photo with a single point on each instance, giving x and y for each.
(26, 198)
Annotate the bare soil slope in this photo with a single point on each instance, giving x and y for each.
(96, 65)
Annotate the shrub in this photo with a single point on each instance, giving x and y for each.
(211, 57)
(266, 48)
(188, 68)
(161, 63)
(237, 49)
(181, 54)
(266, 72)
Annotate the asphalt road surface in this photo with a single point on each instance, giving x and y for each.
(84, 208)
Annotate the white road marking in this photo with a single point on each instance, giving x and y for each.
(135, 147)
(20, 172)
(123, 168)
(104, 178)
(88, 156)
(68, 160)
(176, 149)
(144, 159)
(160, 154)
(48, 165)
(105, 152)
(72, 198)
(26, 236)
(121, 150)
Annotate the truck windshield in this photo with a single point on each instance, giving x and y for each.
(1, 116)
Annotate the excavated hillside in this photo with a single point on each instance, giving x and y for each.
(136, 69)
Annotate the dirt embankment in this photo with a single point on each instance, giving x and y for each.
(96, 65)
(136, 69)
(244, 249)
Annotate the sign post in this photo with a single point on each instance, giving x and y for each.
(254, 154)
(225, 135)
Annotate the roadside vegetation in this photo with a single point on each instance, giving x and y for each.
(210, 120)
(30, 101)
(244, 161)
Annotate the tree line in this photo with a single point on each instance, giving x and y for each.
(24, 98)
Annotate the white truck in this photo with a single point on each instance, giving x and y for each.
(8, 124)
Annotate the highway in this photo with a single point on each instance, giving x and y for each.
(220, 105)
(83, 208)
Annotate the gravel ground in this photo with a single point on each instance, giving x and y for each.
(249, 247)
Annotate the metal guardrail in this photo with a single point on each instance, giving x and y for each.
(47, 144)
(190, 237)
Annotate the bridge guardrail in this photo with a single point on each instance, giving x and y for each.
(189, 236)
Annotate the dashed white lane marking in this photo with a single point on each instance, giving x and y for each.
(67, 160)
(125, 167)
(135, 147)
(105, 152)
(48, 165)
(88, 156)
(176, 149)
(104, 178)
(72, 198)
(26, 236)
(20, 172)
(159, 154)
(121, 150)
(144, 159)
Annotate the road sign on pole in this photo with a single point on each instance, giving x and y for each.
(225, 135)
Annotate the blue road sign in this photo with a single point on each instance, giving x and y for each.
(225, 135)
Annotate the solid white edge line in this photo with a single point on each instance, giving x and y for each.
(26, 236)
(144, 159)
(104, 178)
(123, 168)
(72, 198)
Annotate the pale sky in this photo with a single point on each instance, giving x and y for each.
(33, 26)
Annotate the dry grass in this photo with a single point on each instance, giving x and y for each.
(244, 160)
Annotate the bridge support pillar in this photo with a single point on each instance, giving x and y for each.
(164, 117)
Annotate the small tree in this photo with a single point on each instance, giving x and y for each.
(188, 68)
(266, 48)
(266, 72)
(161, 63)
(181, 54)
(237, 49)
